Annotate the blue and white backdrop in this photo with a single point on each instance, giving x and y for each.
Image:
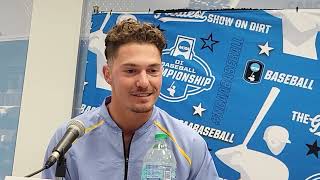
(246, 80)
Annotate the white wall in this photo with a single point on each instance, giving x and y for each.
(15, 17)
(49, 79)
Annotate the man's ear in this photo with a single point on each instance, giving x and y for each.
(107, 73)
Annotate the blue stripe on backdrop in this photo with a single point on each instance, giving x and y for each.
(246, 80)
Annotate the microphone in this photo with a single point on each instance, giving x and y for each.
(75, 129)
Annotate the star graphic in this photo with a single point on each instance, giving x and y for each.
(198, 110)
(265, 48)
(209, 42)
(162, 30)
(313, 149)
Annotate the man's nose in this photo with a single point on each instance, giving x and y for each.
(142, 80)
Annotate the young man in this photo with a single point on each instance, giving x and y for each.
(120, 131)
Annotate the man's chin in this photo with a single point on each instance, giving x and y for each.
(144, 109)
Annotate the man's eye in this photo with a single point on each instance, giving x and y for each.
(129, 71)
(153, 70)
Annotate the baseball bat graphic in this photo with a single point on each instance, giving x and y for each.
(263, 111)
(106, 19)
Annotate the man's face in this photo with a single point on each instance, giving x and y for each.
(135, 75)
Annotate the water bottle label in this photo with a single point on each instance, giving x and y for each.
(158, 172)
(167, 175)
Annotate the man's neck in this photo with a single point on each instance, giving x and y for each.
(127, 120)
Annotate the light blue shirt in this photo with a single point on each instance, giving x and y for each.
(99, 153)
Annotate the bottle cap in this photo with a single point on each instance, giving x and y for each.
(160, 136)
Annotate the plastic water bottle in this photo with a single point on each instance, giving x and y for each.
(159, 163)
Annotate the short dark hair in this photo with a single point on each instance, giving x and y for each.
(130, 30)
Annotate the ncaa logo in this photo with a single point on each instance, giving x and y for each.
(184, 73)
(184, 47)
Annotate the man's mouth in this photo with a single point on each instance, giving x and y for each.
(141, 94)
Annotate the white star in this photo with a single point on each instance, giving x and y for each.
(265, 48)
(198, 110)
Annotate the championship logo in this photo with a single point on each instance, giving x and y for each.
(184, 73)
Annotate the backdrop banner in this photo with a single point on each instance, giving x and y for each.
(246, 80)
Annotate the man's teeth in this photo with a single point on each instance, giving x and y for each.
(142, 95)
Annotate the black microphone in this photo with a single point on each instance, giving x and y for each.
(75, 130)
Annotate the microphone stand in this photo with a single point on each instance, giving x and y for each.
(61, 163)
(61, 168)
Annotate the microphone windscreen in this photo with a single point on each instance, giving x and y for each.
(77, 125)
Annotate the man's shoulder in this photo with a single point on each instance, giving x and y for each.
(188, 140)
(177, 126)
(90, 118)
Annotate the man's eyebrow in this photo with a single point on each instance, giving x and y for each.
(155, 65)
(129, 65)
(135, 65)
